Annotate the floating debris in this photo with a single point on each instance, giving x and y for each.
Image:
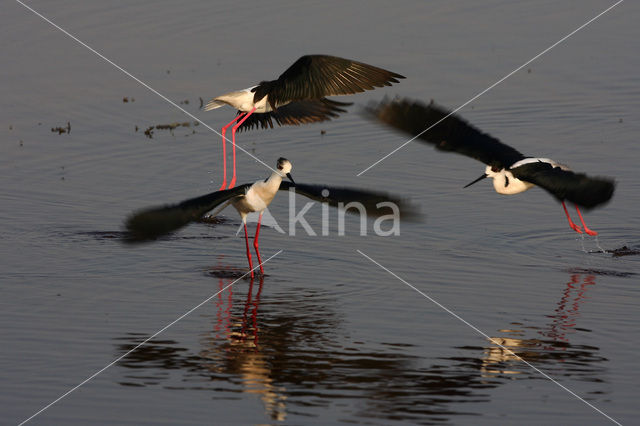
(185, 102)
(61, 130)
(127, 99)
(201, 102)
(170, 127)
(619, 252)
(607, 272)
(323, 132)
(623, 251)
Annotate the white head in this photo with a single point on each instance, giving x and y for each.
(503, 181)
(284, 168)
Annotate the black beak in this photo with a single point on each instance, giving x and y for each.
(291, 179)
(477, 180)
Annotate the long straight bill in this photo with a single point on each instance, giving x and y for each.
(477, 180)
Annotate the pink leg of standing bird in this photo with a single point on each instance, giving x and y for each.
(571, 224)
(224, 153)
(246, 239)
(233, 139)
(584, 225)
(255, 243)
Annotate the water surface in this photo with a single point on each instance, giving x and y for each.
(327, 336)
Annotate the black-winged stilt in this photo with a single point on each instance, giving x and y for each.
(298, 96)
(511, 171)
(151, 223)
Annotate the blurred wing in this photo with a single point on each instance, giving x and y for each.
(341, 196)
(580, 189)
(317, 76)
(154, 222)
(296, 113)
(447, 134)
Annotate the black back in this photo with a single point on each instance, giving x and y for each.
(317, 76)
(296, 113)
(580, 189)
(449, 132)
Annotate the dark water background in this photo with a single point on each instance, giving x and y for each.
(327, 336)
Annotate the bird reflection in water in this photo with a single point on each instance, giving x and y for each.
(566, 314)
(240, 354)
(507, 351)
(291, 350)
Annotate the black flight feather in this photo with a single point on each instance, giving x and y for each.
(317, 76)
(296, 113)
(580, 189)
(449, 134)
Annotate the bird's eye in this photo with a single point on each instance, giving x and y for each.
(279, 167)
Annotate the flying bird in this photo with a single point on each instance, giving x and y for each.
(298, 96)
(511, 171)
(149, 224)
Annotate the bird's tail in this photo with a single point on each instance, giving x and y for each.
(213, 104)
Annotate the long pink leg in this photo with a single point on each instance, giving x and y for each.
(584, 225)
(255, 243)
(233, 139)
(571, 224)
(246, 239)
(224, 152)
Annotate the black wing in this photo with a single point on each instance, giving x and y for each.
(447, 134)
(369, 199)
(580, 189)
(317, 76)
(154, 222)
(296, 113)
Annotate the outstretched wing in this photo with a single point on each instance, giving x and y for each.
(154, 222)
(296, 113)
(580, 189)
(449, 132)
(370, 200)
(317, 76)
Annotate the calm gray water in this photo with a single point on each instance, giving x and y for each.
(327, 336)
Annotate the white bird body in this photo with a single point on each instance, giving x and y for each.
(506, 183)
(261, 193)
(242, 100)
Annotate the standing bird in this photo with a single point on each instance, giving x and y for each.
(511, 171)
(151, 223)
(298, 96)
